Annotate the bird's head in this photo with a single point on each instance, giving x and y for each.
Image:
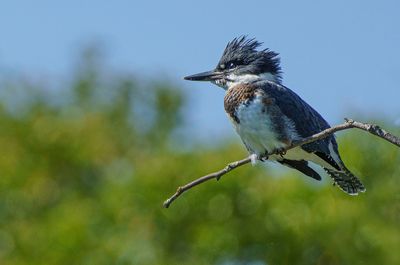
(241, 62)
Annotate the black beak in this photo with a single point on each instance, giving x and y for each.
(205, 76)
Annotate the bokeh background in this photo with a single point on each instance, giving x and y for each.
(97, 129)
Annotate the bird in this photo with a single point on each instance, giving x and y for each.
(269, 116)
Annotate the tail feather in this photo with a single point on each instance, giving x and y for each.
(346, 181)
(301, 166)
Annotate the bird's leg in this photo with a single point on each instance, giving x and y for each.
(282, 150)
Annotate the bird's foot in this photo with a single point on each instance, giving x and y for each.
(281, 151)
(263, 157)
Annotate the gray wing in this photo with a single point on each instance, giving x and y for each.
(306, 120)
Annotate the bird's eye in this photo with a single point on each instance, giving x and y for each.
(232, 65)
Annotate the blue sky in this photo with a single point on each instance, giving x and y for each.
(340, 56)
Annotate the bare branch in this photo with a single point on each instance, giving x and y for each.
(217, 175)
(371, 128)
(375, 130)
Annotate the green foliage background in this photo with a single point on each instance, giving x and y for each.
(82, 181)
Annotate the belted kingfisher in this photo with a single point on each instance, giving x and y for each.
(269, 116)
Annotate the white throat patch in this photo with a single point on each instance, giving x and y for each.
(248, 78)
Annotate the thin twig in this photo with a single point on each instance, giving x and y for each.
(217, 175)
(348, 124)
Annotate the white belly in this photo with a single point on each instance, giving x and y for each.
(256, 128)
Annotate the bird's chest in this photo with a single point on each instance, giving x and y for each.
(253, 121)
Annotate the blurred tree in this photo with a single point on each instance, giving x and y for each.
(83, 181)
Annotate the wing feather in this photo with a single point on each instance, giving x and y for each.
(306, 120)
